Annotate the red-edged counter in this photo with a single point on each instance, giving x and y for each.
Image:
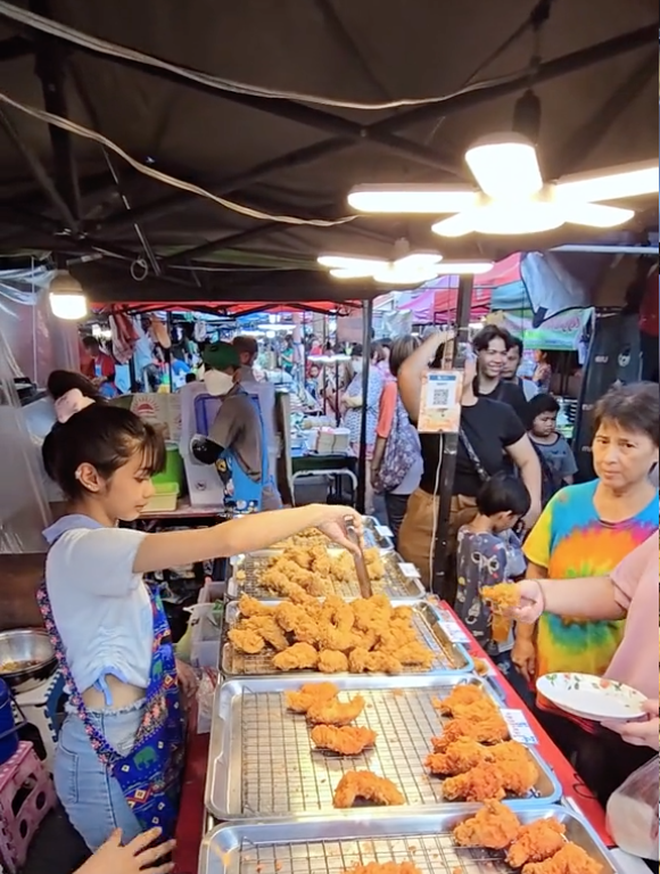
(193, 815)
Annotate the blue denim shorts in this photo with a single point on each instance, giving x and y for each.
(91, 797)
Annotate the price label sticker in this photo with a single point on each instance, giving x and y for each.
(409, 570)
(519, 728)
(453, 630)
(383, 531)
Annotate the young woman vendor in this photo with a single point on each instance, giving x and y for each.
(119, 756)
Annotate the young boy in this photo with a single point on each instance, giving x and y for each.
(558, 464)
(490, 553)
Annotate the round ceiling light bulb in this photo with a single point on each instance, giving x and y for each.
(511, 218)
(66, 297)
(505, 166)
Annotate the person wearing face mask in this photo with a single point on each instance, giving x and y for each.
(355, 405)
(237, 442)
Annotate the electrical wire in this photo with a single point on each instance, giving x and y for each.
(103, 47)
(87, 133)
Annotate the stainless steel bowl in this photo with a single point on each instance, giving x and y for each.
(31, 647)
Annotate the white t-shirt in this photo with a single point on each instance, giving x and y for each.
(102, 610)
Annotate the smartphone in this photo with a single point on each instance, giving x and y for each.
(464, 353)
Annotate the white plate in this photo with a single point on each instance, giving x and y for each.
(592, 697)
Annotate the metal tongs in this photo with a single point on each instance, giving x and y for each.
(360, 564)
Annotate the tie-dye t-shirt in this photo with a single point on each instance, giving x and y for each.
(571, 541)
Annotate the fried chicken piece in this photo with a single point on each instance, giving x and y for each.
(332, 662)
(459, 757)
(368, 787)
(300, 656)
(483, 783)
(384, 868)
(493, 828)
(571, 859)
(403, 614)
(247, 641)
(374, 563)
(490, 730)
(461, 695)
(536, 842)
(335, 712)
(481, 667)
(415, 655)
(348, 740)
(268, 628)
(309, 694)
(519, 772)
(297, 621)
(249, 607)
(331, 637)
(502, 598)
(361, 661)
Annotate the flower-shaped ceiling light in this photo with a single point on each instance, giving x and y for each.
(513, 197)
(405, 268)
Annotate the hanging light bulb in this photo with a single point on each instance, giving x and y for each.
(66, 296)
(416, 199)
(505, 166)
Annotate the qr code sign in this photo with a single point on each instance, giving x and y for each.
(440, 396)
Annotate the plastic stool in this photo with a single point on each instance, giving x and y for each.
(40, 708)
(26, 796)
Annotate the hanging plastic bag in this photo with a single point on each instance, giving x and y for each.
(632, 812)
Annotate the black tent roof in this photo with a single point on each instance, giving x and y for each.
(596, 76)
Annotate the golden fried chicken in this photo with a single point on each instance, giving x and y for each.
(536, 842)
(493, 828)
(297, 621)
(300, 656)
(347, 740)
(502, 598)
(247, 641)
(249, 607)
(571, 859)
(459, 757)
(490, 729)
(332, 662)
(518, 769)
(331, 637)
(268, 628)
(415, 655)
(302, 700)
(336, 712)
(368, 787)
(461, 695)
(384, 868)
(483, 783)
(361, 661)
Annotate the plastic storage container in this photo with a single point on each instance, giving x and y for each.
(173, 473)
(207, 627)
(165, 499)
(8, 730)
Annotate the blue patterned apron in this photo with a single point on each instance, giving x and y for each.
(242, 494)
(150, 775)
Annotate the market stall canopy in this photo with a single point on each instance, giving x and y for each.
(294, 152)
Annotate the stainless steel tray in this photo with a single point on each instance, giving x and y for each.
(321, 846)
(247, 569)
(449, 657)
(262, 764)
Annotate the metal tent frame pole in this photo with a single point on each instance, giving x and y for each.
(439, 581)
(367, 324)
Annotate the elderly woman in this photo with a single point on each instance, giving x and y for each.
(586, 531)
(492, 438)
(630, 591)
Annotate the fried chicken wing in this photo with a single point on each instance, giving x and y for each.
(460, 696)
(384, 868)
(492, 729)
(348, 740)
(536, 842)
(368, 787)
(361, 661)
(332, 662)
(249, 607)
(571, 859)
(519, 772)
(494, 827)
(247, 641)
(335, 712)
(268, 628)
(502, 598)
(310, 693)
(483, 783)
(300, 656)
(459, 757)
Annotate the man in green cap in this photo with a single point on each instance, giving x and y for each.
(237, 443)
